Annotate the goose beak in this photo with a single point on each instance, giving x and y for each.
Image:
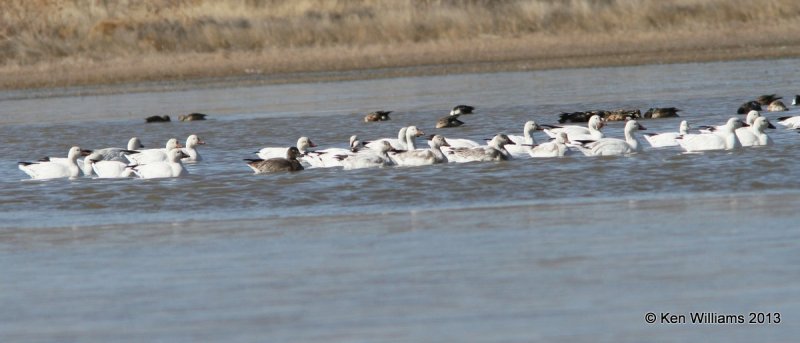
(642, 127)
(86, 152)
(201, 142)
(769, 125)
(179, 145)
(445, 143)
(511, 141)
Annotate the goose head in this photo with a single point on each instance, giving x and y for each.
(751, 117)
(632, 126)
(530, 126)
(595, 122)
(438, 141)
(304, 143)
(175, 155)
(75, 152)
(172, 143)
(760, 124)
(134, 144)
(500, 141)
(413, 132)
(193, 141)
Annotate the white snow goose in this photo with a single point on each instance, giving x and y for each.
(614, 146)
(722, 139)
(57, 168)
(666, 139)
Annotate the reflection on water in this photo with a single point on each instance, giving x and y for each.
(522, 250)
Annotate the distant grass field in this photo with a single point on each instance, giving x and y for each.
(65, 42)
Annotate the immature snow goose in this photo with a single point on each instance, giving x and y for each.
(493, 151)
(116, 154)
(277, 164)
(423, 157)
(369, 158)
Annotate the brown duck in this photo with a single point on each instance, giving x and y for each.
(191, 117)
(767, 99)
(377, 116)
(157, 119)
(661, 112)
(449, 121)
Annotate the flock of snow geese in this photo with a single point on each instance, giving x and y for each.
(133, 161)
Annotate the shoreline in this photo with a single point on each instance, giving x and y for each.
(225, 70)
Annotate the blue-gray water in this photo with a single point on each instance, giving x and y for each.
(565, 249)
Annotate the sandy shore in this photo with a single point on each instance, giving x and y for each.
(187, 71)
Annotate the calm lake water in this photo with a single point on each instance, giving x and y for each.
(572, 249)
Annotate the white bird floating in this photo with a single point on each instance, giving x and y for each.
(153, 155)
(577, 133)
(555, 148)
(667, 139)
(191, 149)
(55, 168)
(722, 139)
(369, 158)
(494, 151)
(614, 146)
(423, 157)
(172, 167)
(523, 144)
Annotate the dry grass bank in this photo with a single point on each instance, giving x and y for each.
(70, 42)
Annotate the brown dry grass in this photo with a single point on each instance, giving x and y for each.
(77, 42)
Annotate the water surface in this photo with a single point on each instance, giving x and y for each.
(565, 249)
